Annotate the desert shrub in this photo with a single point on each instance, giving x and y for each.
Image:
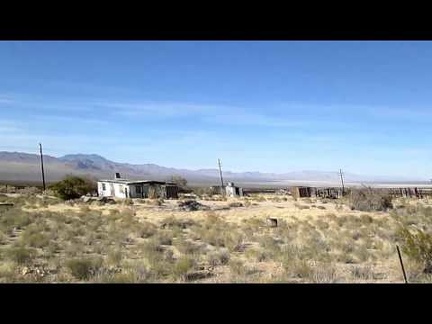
(298, 269)
(188, 247)
(128, 201)
(237, 267)
(362, 272)
(417, 245)
(235, 204)
(164, 237)
(366, 219)
(115, 256)
(34, 239)
(218, 257)
(28, 190)
(72, 187)
(369, 199)
(83, 269)
(172, 222)
(325, 273)
(182, 266)
(155, 201)
(203, 191)
(146, 229)
(178, 180)
(302, 206)
(20, 254)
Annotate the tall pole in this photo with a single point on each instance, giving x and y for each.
(220, 173)
(42, 166)
(342, 181)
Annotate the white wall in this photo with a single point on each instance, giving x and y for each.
(230, 191)
(108, 192)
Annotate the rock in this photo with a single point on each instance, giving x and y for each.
(25, 271)
(86, 199)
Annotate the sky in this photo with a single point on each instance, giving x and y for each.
(268, 106)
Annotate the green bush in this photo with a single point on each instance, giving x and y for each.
(83, 269)
(417, 245)
(73, 187)
(20, 254)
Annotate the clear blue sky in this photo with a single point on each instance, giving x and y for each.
(265, 106)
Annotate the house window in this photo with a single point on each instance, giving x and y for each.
(138, 189)
(103, 186)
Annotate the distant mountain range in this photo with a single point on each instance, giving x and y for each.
(17, 166)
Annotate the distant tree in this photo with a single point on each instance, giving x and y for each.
(178, 180)
(72, 187)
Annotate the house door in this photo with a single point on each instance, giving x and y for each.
(126, 192)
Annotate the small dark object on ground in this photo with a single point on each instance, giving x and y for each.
(272, 222)
(235, 204)
(192, 205)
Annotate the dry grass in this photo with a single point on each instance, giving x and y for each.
(44, 240)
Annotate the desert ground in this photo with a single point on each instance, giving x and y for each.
(226, 240)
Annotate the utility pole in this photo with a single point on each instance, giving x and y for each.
(42, 166)
(220, 173)
(342, 181)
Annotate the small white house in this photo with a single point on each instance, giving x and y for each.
(230, 190)
(123, 188)
(233, 191)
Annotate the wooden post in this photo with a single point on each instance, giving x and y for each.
(401, 262)
(342, 180)
(42, 167)
(220, 173)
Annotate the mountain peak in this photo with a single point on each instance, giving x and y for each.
(79, 156)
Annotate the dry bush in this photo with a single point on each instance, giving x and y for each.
(302, 206)
(188, 247)
(237, 267)
(362, 272)
(217, 258)
(172, 222)
(298, 269)
(417, 244)
(369, 199)
(235, 204)
(146, 229)
(127, 201)
(33, 236)
(20, 254)
(84, 268)
(182, 267)
(163, 237)
(324, 273)
(29, 190)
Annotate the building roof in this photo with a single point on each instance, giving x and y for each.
(128, 182)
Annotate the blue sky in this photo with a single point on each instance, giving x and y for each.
(264, 106)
